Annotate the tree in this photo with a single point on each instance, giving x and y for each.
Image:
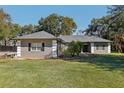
(27, 29)
(16, 30)
(8, 30)
(99, 27)
(5, 26)
(117, 20)
(110, 27)
(57, 25)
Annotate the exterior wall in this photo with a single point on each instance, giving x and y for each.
(54, 49)
(18, 49)
(47, 53)
(59, 48)
(100, 50)
(109, 47)
(92, 48)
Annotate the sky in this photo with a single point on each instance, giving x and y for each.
(30, 14)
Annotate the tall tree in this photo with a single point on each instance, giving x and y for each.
(57, 25)
(117, 20)
(99, 27)
(5, 26)
(110, 27)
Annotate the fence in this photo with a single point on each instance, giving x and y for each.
(8, 48)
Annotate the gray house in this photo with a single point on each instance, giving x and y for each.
(44, 45)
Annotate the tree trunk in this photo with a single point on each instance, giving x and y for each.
(119, 48)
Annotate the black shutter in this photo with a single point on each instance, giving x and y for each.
(43, 45)
(29, 46)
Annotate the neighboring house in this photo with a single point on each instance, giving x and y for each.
(45, 45)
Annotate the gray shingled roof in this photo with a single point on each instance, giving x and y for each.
(37, 35)
(67, 38)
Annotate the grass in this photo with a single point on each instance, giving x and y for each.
(89, 71)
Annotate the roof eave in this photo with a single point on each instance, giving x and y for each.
(92, 41)
(32, 38)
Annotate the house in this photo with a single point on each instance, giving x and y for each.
(45, 45)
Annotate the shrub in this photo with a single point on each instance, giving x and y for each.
(74, 48)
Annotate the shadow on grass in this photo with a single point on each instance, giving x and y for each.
(107, 62)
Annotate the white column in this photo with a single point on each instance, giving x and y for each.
(18, 48)
(54, 49)
(92, 47)
(109, 48)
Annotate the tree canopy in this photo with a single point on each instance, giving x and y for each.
(110, 27)
(8, 30)
(5, 26)
(27, 29)
(57, 25)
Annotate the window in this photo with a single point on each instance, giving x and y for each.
(34, 47)
(100, 47)
(37, 47)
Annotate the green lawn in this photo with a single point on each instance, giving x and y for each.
(89, 71)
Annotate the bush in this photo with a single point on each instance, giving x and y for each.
(74, 48)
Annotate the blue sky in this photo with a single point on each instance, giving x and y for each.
(30, 14)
